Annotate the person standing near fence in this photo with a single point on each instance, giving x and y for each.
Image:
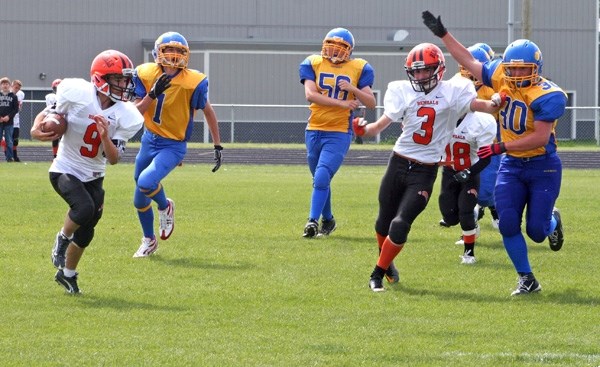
(50, 101)
(335, 84)
(167, 93)
(531, 171)
(9, 107)
(16, 89)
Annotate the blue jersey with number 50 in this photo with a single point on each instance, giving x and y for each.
(326, 76)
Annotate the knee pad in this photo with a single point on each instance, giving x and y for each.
(510, 224)
(451, 218)
(399, 231)
(322, 178)
(82, 213)
(83, 236)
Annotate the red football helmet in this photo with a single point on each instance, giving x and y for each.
(112, 73)
(429, 57)
(55, 84)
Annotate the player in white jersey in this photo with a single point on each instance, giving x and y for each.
(460, 176)
(429, 109)
(100, 122)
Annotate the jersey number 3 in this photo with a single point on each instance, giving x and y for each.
(424, 138)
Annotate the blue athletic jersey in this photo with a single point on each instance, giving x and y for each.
(326, 76)
(171, 114)
(543, 101)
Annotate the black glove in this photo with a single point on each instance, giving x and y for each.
(160, 85)
(218, 157)
(462, 176)
(434, 24)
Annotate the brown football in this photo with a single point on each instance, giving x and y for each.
(55, 123)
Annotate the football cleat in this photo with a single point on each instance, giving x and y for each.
(527, 284)
(70, 283)
(166, 220)
(311, 229)
(376, 284)
(444, 224)
(59, 250)
(496, 223)
(327, 226)
(467, 259)
(556, 238)
(147, 248)
(391, 274)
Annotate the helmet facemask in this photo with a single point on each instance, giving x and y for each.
(173, 55)
(428, 83)
(117, 87)
(524, 81)
(336, 50)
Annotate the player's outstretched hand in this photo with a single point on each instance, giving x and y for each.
(434, 24)
(218, 157)
(160, 85)
(358, 126)
(490, 150)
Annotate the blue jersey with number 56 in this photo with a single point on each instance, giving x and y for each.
(326, 76)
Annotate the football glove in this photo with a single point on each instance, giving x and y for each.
(358, 126)
(218, 157)
(490, 150)
(434, 24)
(462, 176)
(498, 99)
(160, 85)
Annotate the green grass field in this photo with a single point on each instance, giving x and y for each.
(237, 285)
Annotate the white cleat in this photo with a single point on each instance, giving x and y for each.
(166, 220)
(496, 223)
(147, 248)
(467, 259)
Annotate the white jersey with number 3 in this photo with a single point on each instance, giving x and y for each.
(427, 119)
(80, 151)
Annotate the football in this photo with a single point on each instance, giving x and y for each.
(55, 123)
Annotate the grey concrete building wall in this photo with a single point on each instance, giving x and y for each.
(61, 37)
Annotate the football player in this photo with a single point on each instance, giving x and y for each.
(531, 171)
(168, 94)
(429, 108)
(101, 119)
(335, 84)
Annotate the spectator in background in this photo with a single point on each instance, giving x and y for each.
(9, 107)
(50, 101)
(16, 89)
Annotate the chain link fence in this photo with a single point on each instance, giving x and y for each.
(241, 123)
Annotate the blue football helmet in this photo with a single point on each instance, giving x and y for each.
(171, 49)
(522, 54)
(486, 48)
(338, 45)
(481, 55)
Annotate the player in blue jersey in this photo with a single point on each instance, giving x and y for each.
(335, 84)
(167, 93)
(531, 171)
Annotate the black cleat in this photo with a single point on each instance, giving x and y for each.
(311, 229)
(527, 284)
(444, 224)
(59, 250)
(327, 226)
(70, 283)
(376, 284)
(556, 238)
(391, 274)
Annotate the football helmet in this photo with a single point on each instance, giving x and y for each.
(338, 45)
(112, 74)
(425, 56)
(522, 54)
(486, 48)
(481, 55)
(55, 84)
(171, 50)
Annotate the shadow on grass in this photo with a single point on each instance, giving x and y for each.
(569, 296)
(195, 263)
(114, 303)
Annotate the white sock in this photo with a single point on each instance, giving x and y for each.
(62, 233)
(69, 273)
